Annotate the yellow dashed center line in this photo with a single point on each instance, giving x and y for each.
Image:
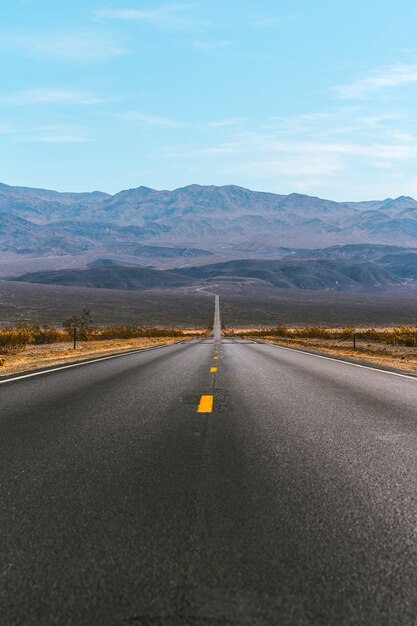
(216, 358)
(213, 370)
(206, 404)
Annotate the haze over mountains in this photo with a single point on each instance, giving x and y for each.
(284, 241)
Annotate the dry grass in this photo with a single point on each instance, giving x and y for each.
(396, 357)
(39, 356)
(387, 347)
(15, 338)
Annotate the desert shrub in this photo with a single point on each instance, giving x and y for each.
(281, 331)
(12, 340)
(402, 336)
(133, 332)
(45, 334)
(314, 332)
(373, 335)
(81, 324)
(277, 331)
(253, 333)
(346, 333)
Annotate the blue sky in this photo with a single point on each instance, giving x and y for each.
(284, 96)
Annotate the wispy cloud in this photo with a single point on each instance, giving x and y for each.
(57, 138)
(49, 96)
(343, 122)
(211, 45)
(392, 76)
(261, 143)
(293, 166)
(310, 152)
(55, 134)
(145, 119)
(226, 122)
(75, 46)
(149, 120)
(176, 16)
(271, 21)
(24, 131)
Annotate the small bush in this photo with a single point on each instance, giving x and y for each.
(17, 338)
(132, 332)
(403, 336)
(12, 340)
(45, 335)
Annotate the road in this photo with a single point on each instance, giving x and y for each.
(217, 331)
(293, 501)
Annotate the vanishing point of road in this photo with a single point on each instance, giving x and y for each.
(211, 483)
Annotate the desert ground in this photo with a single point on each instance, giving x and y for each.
(242, 305)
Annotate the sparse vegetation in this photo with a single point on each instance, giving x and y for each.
(392, 347)
(18, 337)
(79, 325)
(12, 340)
(401, 336)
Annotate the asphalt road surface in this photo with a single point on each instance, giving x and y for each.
(292, 502)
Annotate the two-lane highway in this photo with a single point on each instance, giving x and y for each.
(293, 501)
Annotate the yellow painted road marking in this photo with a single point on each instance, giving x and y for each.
(213, 370)
(206, 404)
(216, 358)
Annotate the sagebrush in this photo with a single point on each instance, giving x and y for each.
(18, 337)
(401, 336)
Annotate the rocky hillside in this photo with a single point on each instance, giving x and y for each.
(125, 278)
(356, 267)
(42, 229)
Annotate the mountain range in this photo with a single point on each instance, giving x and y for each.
(194, 225)
(145, 239)
(354, 267)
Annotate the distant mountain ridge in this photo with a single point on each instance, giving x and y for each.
(355, 267)
(313, 274)
(125, 278)
(42, 229)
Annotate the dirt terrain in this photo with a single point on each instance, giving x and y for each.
(370, 352)
(38, 357)
(242, 305)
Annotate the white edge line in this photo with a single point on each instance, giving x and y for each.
(330, 358)
(103, 358)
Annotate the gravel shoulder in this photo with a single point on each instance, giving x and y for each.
(38, 357)
(375, 353)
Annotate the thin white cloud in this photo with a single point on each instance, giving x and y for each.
(344, 122)
(146, 119)
(56, 135)
(150, 120)
(63, 46)
(243, 158)
(226, 122)
(311, 152)
(58, 138)
(174, 16)
(271, 21)
(27, 132)
(264, 144)
(226, 148)
(211, 45)
(294, 166)
(392, 76)
(49, 96)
